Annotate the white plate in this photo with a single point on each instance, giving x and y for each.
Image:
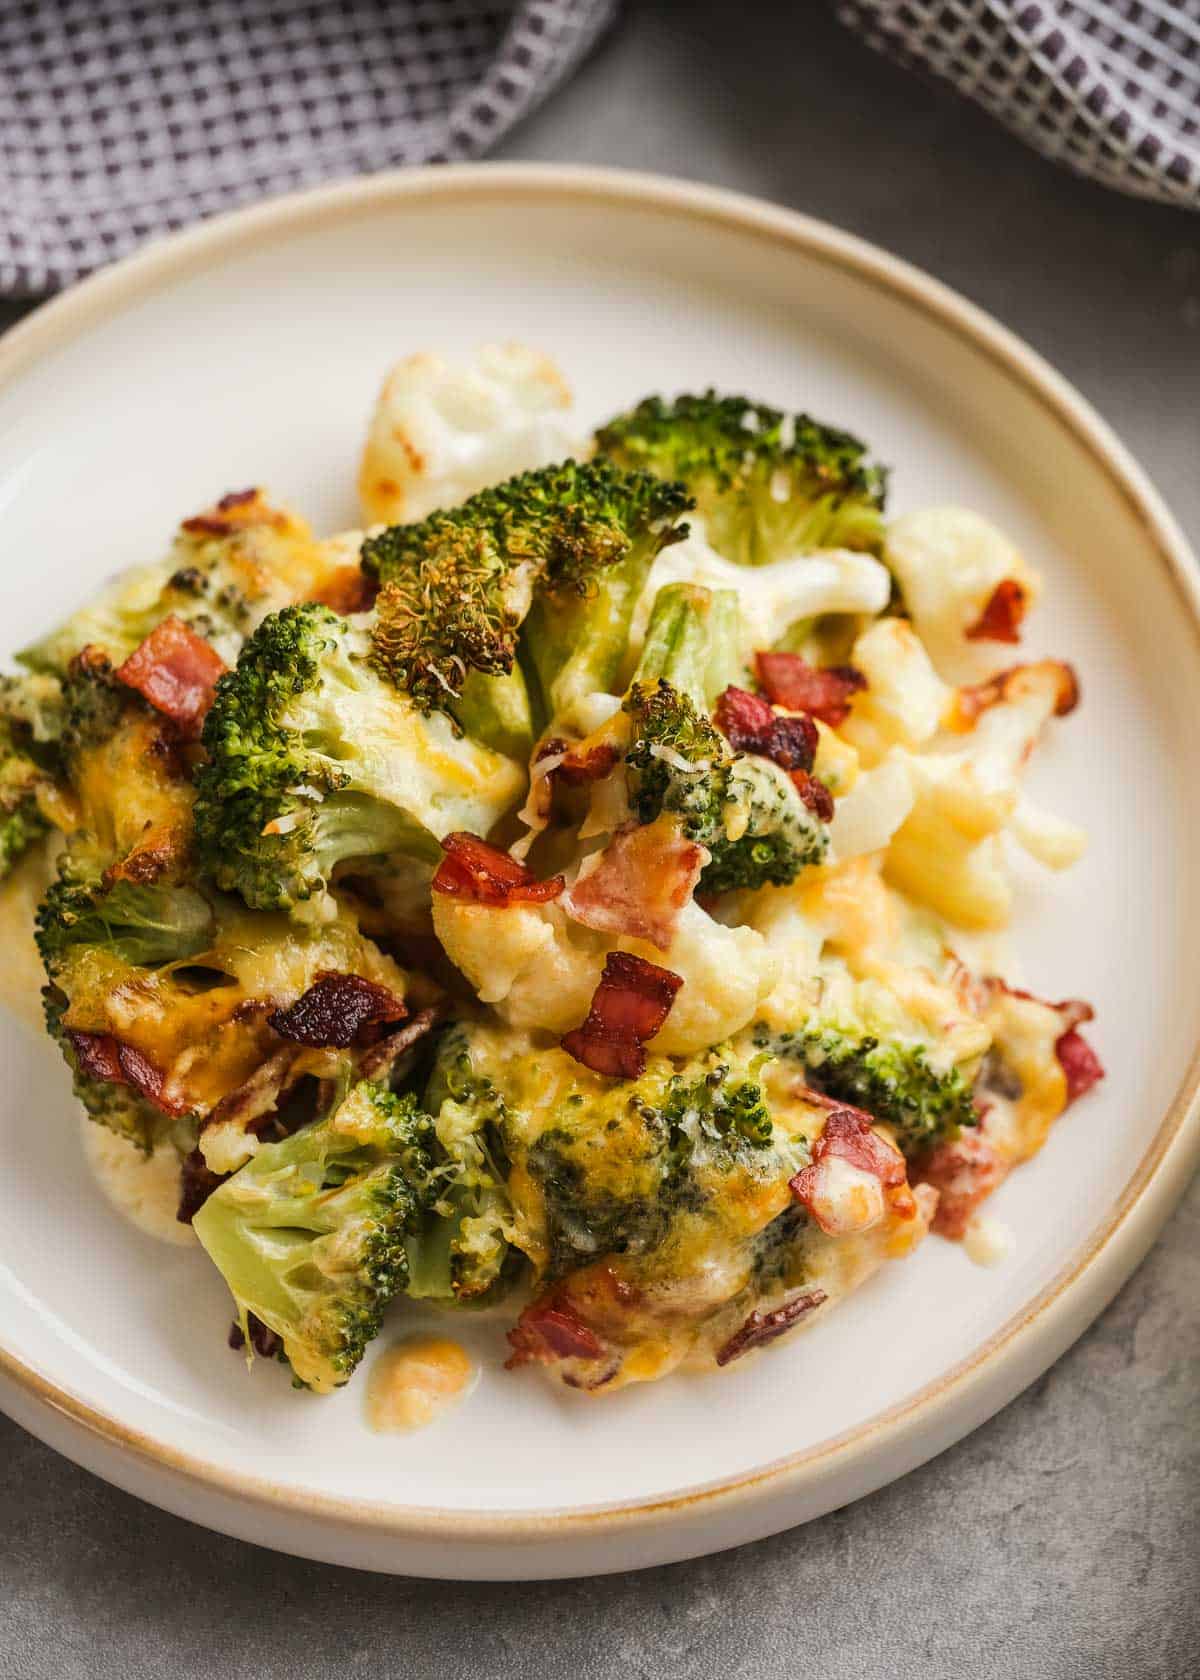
(250, 351)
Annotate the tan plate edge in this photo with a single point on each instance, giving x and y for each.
(1094, 1274)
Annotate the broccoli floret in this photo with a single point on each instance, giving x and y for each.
(31, 719)
(743, 808)
(595, 530)
(315, 759)
(310, 1233)
(455, 594)
(118, 1107)
(769, 485)
(461, 1250)
(622, 1172)
(770, 834)
(881, 1063)
(140, 924)
(566, 548)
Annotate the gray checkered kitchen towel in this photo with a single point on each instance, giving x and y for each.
(125, 118)
(1109, 87)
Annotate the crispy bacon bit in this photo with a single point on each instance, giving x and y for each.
(850, 1137)
(196, 1184)
(382, 1057)
(849, 1134)
(481, 874)
(548, 1331)
(763, 1327)
(791, 681)
(631, 1003)
(347, 590)
(640, 882)
(335, 1010)
(578, 768)
(266, 1344)
(176, 671)
(971, 702)
(749, 725)
(1000, 620)
(101, 1056)
(1079, 1062)
(814, 793)
(964, 1172)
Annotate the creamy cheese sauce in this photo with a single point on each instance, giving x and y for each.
(988, 1241)
(415, 1381)
(144, 1189)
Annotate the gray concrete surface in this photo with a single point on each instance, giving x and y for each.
(1061, 1541)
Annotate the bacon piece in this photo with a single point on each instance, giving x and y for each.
(749, 724)
(176, 671)
(481, 874)
(849, 1137)
(578, 768)
(548, 1331)
(1000, 620)
(197, 1181)
(266, 1343)
(763, 1327)
(631, 1003)
(971, 702)
(103, 1057)
(792, 682)
(640, 882)
(382, 1057)
(964, 1172)
(347, 590)
(1079, 1062)
(814, 793)
(335, 1010)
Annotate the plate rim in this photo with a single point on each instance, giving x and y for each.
(958, 1399)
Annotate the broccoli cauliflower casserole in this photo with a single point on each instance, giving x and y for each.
(569, 896)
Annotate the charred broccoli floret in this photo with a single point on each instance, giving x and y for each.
(310, 1233)
(768, 484)
(315, 759)
(565, 548)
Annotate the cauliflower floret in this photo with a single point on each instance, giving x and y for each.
(539, 969)
(866, 818)
(904, 701)
(770, 597)
(947, 853)
(439, 433)
(948, 562)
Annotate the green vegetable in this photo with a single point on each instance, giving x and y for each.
(742, 807)
(461, 1250)
(119, 1108)
(310, 1233)
(315, 759)
(859, 1048)
(141, 924)
(768, 485)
